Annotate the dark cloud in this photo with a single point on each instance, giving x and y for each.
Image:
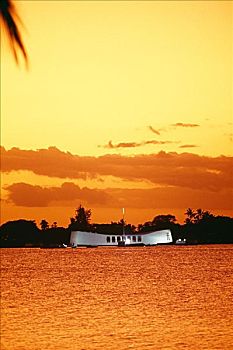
(122, 145)
(186, 125)
(168, 169)
(110, 145)
(155, 142)
(22, 194)
(188, 146)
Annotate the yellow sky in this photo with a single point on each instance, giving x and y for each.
(145, 75)
(103, 71)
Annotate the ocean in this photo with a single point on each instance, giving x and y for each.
(161, 297)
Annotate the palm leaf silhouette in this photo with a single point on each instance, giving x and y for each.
(9, 19)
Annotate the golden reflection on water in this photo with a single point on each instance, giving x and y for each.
(164, 297)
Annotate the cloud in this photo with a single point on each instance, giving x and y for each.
(188, 146)
(153, 130)
(154, 142)
(184, 170)
(22, 194)
(122, 145)
(110, 145)
(50, 162)
(186, 125)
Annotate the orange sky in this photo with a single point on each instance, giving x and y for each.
(125, 104)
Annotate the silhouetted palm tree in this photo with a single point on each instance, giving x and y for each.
(44, 225)
(9, 19)
(190, 215)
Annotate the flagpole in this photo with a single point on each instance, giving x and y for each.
(123, 212)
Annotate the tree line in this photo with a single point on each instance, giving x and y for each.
(199, 227)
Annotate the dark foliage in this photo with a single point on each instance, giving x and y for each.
(207, 228)
(10, 19)
(54, 237)
(44, 225)
(19, 233)
(200, 227)
(81, 220)
(116, 228)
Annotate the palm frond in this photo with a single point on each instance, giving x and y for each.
(9, 19)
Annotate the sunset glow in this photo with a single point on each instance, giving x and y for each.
(125, 104)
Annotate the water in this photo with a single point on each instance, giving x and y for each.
(164, 297)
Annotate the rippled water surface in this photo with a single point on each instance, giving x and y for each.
(165, 297)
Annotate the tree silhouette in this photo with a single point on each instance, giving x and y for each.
(114, 228)
(55, 237)
(44, 225)
(81, 221)
(159, 222)
(201, 215)
(202, 227)
(163, 220)
(190, 216)
(9, 19)
(19, 233)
